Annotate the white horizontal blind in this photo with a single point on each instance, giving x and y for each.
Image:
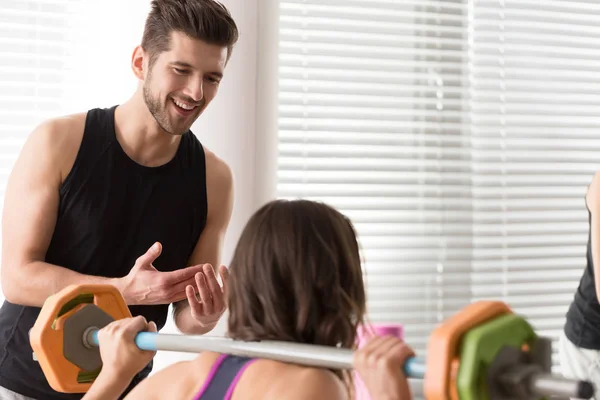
(58, 57)
(34, 42)
(370, 121)
(534, 101)
(459, 137)
(35, 36)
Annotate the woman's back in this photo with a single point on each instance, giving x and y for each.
(214, 374)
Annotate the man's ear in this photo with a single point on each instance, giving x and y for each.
(139, 62)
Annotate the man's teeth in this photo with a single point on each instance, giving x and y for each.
(183, 105)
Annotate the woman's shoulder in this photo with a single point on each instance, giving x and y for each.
(277, 380)
(263, 379)
(180, 380)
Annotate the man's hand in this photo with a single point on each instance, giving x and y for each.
(212, 301)
(146, 285)
(380, 364)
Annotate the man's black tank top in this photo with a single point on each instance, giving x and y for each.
(111, 211)
(582, 325)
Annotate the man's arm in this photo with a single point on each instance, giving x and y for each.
(592, 199)
(30, 212)
(219, 183)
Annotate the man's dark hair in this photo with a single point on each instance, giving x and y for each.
(206, 20)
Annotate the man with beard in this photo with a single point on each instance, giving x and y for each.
(126, 196)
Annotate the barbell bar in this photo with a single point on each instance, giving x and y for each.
(297, 353)
(320, 356)
(65, 342)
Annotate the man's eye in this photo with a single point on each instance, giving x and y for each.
(180, 71)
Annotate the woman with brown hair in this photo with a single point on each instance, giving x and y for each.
(295, 276)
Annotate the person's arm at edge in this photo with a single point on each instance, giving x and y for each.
(220, 197)
(30, 213)
(592, 200)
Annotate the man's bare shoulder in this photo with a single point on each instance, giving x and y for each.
(218, 171)
(58, 132)
(58, 140)
(219, 187)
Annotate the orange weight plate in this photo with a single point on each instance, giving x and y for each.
(46, 335)
(453, 389)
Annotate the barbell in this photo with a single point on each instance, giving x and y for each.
(483, 352)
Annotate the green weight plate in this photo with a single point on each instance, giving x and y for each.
(480, 346)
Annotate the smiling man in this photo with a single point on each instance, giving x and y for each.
(125, 195)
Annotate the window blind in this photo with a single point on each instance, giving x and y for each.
(370, 121)
(534, 96)
(459, 136)
(34, 49)
(58, 58)
(34, 38)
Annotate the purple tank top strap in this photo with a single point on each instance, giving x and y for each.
(223, 377)
(237, 379)
(211, 374)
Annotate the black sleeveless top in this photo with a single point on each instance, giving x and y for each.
(582, 325)
(111, 211)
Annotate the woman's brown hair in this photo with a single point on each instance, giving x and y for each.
(296, 276)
